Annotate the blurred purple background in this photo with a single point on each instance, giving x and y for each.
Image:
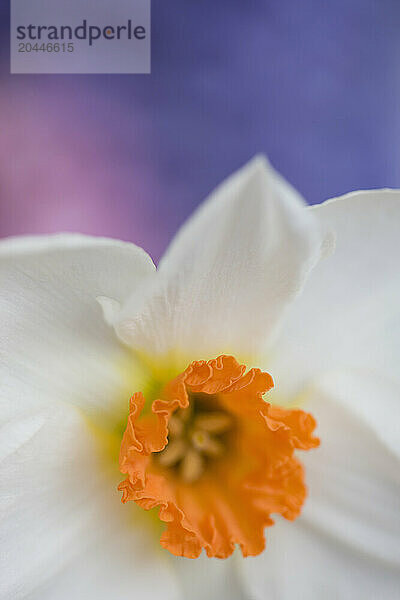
(314, 84)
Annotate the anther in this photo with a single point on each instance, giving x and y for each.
(192, 466)
(204, 442)
(173, 453)
(213, 422)
(175, 426)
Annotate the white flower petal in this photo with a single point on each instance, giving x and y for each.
(110, 307)
(230, 272)
(55, 345)
(301, 564)
(354, 477)
(119, 565)
(63, 530)
(212, 579)
(349, 312)
(346, 544)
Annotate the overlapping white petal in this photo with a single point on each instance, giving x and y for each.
(63, 530)
(301, 563)
(349, 313)
(214, 579)
(346, 544)
(54, 344)
(348, 316)
(60, 366)
(354, 477)
(229, 274)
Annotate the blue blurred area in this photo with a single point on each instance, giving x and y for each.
(313, 84)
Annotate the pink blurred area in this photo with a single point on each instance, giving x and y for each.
(312, 85)
(61, 169)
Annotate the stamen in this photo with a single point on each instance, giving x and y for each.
(173, 453)
(192, 439)
(192, 466)
(175, 426)
(213, 422)
(204, 442)
(185, 414)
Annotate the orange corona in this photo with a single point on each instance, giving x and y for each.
(216, 458)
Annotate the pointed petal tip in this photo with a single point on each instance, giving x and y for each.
(259, 162)
(257, 166)
(259, 172)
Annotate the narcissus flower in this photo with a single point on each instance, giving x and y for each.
(193, 390)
